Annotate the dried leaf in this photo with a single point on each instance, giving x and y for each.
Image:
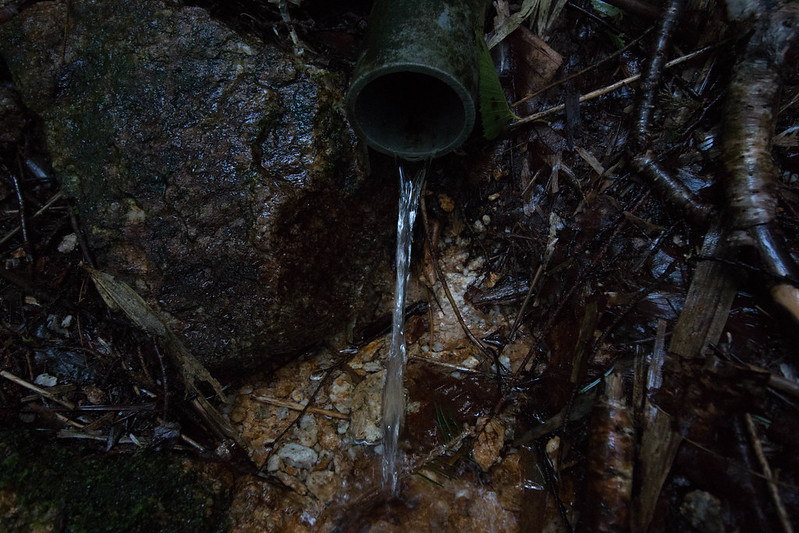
(589, 158)
(118, 295)
(190, 368)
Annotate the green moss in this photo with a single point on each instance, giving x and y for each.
(45, 482)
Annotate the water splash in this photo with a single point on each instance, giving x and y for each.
(393, 395)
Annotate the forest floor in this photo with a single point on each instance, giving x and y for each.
(611, 351)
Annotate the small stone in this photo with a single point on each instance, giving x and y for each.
(308, 431)
(298, 455)
(297, 396)
(94, 395)
(703, 511)
(366, 402)
(323, 485)
(341, 393)
(237, 416)
(470, 362)
(552, 450)
(45, 380)
(273, 465)
(446, 203)
(68, 243)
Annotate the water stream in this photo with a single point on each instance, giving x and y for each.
(393, 395)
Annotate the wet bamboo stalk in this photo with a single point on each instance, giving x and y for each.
(610, 461)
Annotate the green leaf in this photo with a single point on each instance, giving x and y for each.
(494, 110)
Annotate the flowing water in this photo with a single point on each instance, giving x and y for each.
(393, 395)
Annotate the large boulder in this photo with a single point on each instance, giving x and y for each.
(213, 172)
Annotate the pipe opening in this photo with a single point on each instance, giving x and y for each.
(411, 114)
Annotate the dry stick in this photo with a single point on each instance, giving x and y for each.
(610, 88)
(164, 382)
(23, 223)
(517, 321)
(782, 384)
(300, 407)
(785, 521)
(583, 71)
(188, 440)
(457, 368)
(440, 275)
(56, 197)
(84, 246)
(791, 102)
(30, 386)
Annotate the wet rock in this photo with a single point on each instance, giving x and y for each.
(213, 173)
(12, 116)
(703, 511)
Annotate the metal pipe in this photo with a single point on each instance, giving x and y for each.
(415, 84)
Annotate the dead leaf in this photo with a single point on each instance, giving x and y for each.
(118, 295)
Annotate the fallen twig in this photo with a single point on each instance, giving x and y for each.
(612, 87)
(346, 355)
(457, 368)
(583, 71)
(38, 390)
(23, 221)
(300, 407)
(55, 198)
(785, 520)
